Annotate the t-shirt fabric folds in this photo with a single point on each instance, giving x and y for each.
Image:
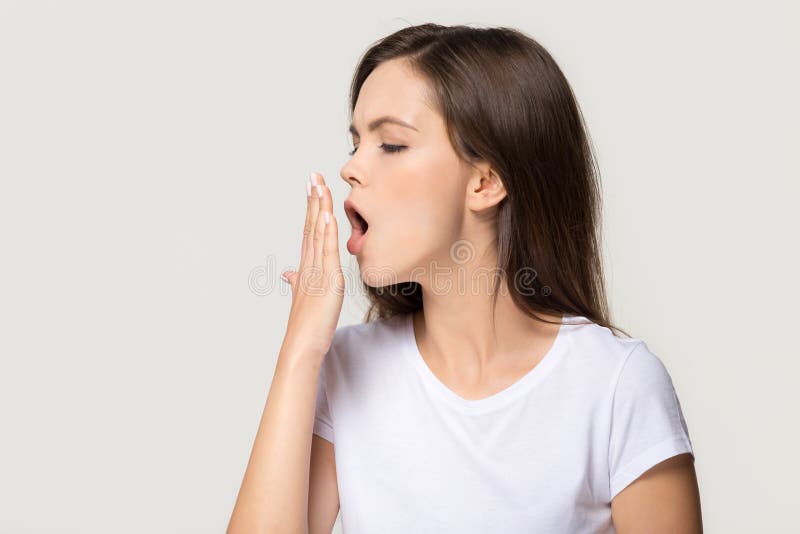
(546, 454)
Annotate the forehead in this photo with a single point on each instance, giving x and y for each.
(392, 88)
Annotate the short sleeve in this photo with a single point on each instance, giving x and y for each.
(647, 424)
(323, 425)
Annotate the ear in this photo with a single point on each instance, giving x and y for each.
(485, 188)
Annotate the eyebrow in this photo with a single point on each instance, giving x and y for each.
(377, 123)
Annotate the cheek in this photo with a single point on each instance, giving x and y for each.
(424, 219)
(422, 210)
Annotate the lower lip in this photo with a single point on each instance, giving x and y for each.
(356, 242)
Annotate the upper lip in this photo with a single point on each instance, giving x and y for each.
(351, 209)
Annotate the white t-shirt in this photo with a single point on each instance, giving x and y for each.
(547, 454)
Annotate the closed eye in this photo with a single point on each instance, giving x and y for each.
(386, 148)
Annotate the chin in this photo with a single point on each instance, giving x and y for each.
(382, 275)
(375, 275)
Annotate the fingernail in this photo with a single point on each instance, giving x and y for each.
(308, 189)
(319, 190)
(327, 217)
(313, 178)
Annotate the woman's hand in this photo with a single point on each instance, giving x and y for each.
(318, 284)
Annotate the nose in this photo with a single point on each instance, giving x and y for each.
(349, 175)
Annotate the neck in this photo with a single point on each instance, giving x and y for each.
(456, 331)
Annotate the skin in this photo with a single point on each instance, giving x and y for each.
(663, 500)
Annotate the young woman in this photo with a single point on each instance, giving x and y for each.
(487, 390)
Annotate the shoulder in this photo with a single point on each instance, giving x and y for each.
(364, 359)
(359, 340)
(609, 365)
(647, 421)
(597, 350)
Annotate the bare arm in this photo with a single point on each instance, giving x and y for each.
(323, 491)
(665, 499)
(274, 495)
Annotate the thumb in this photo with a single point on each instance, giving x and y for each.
(289, 277)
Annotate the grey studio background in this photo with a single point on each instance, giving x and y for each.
(153, 158)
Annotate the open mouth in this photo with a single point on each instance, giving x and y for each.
(357, 221)
(361, 223)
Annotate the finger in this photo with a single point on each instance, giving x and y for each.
(330, 249)
(290, 277)
(312, 209)
(325, 204)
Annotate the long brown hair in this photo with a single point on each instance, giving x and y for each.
(504, 100)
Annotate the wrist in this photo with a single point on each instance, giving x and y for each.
(293, 350)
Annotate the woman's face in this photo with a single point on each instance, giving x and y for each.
(414, 199)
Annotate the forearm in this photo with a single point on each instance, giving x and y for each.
(274, 494)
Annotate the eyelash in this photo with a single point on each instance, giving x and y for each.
(391, 149)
